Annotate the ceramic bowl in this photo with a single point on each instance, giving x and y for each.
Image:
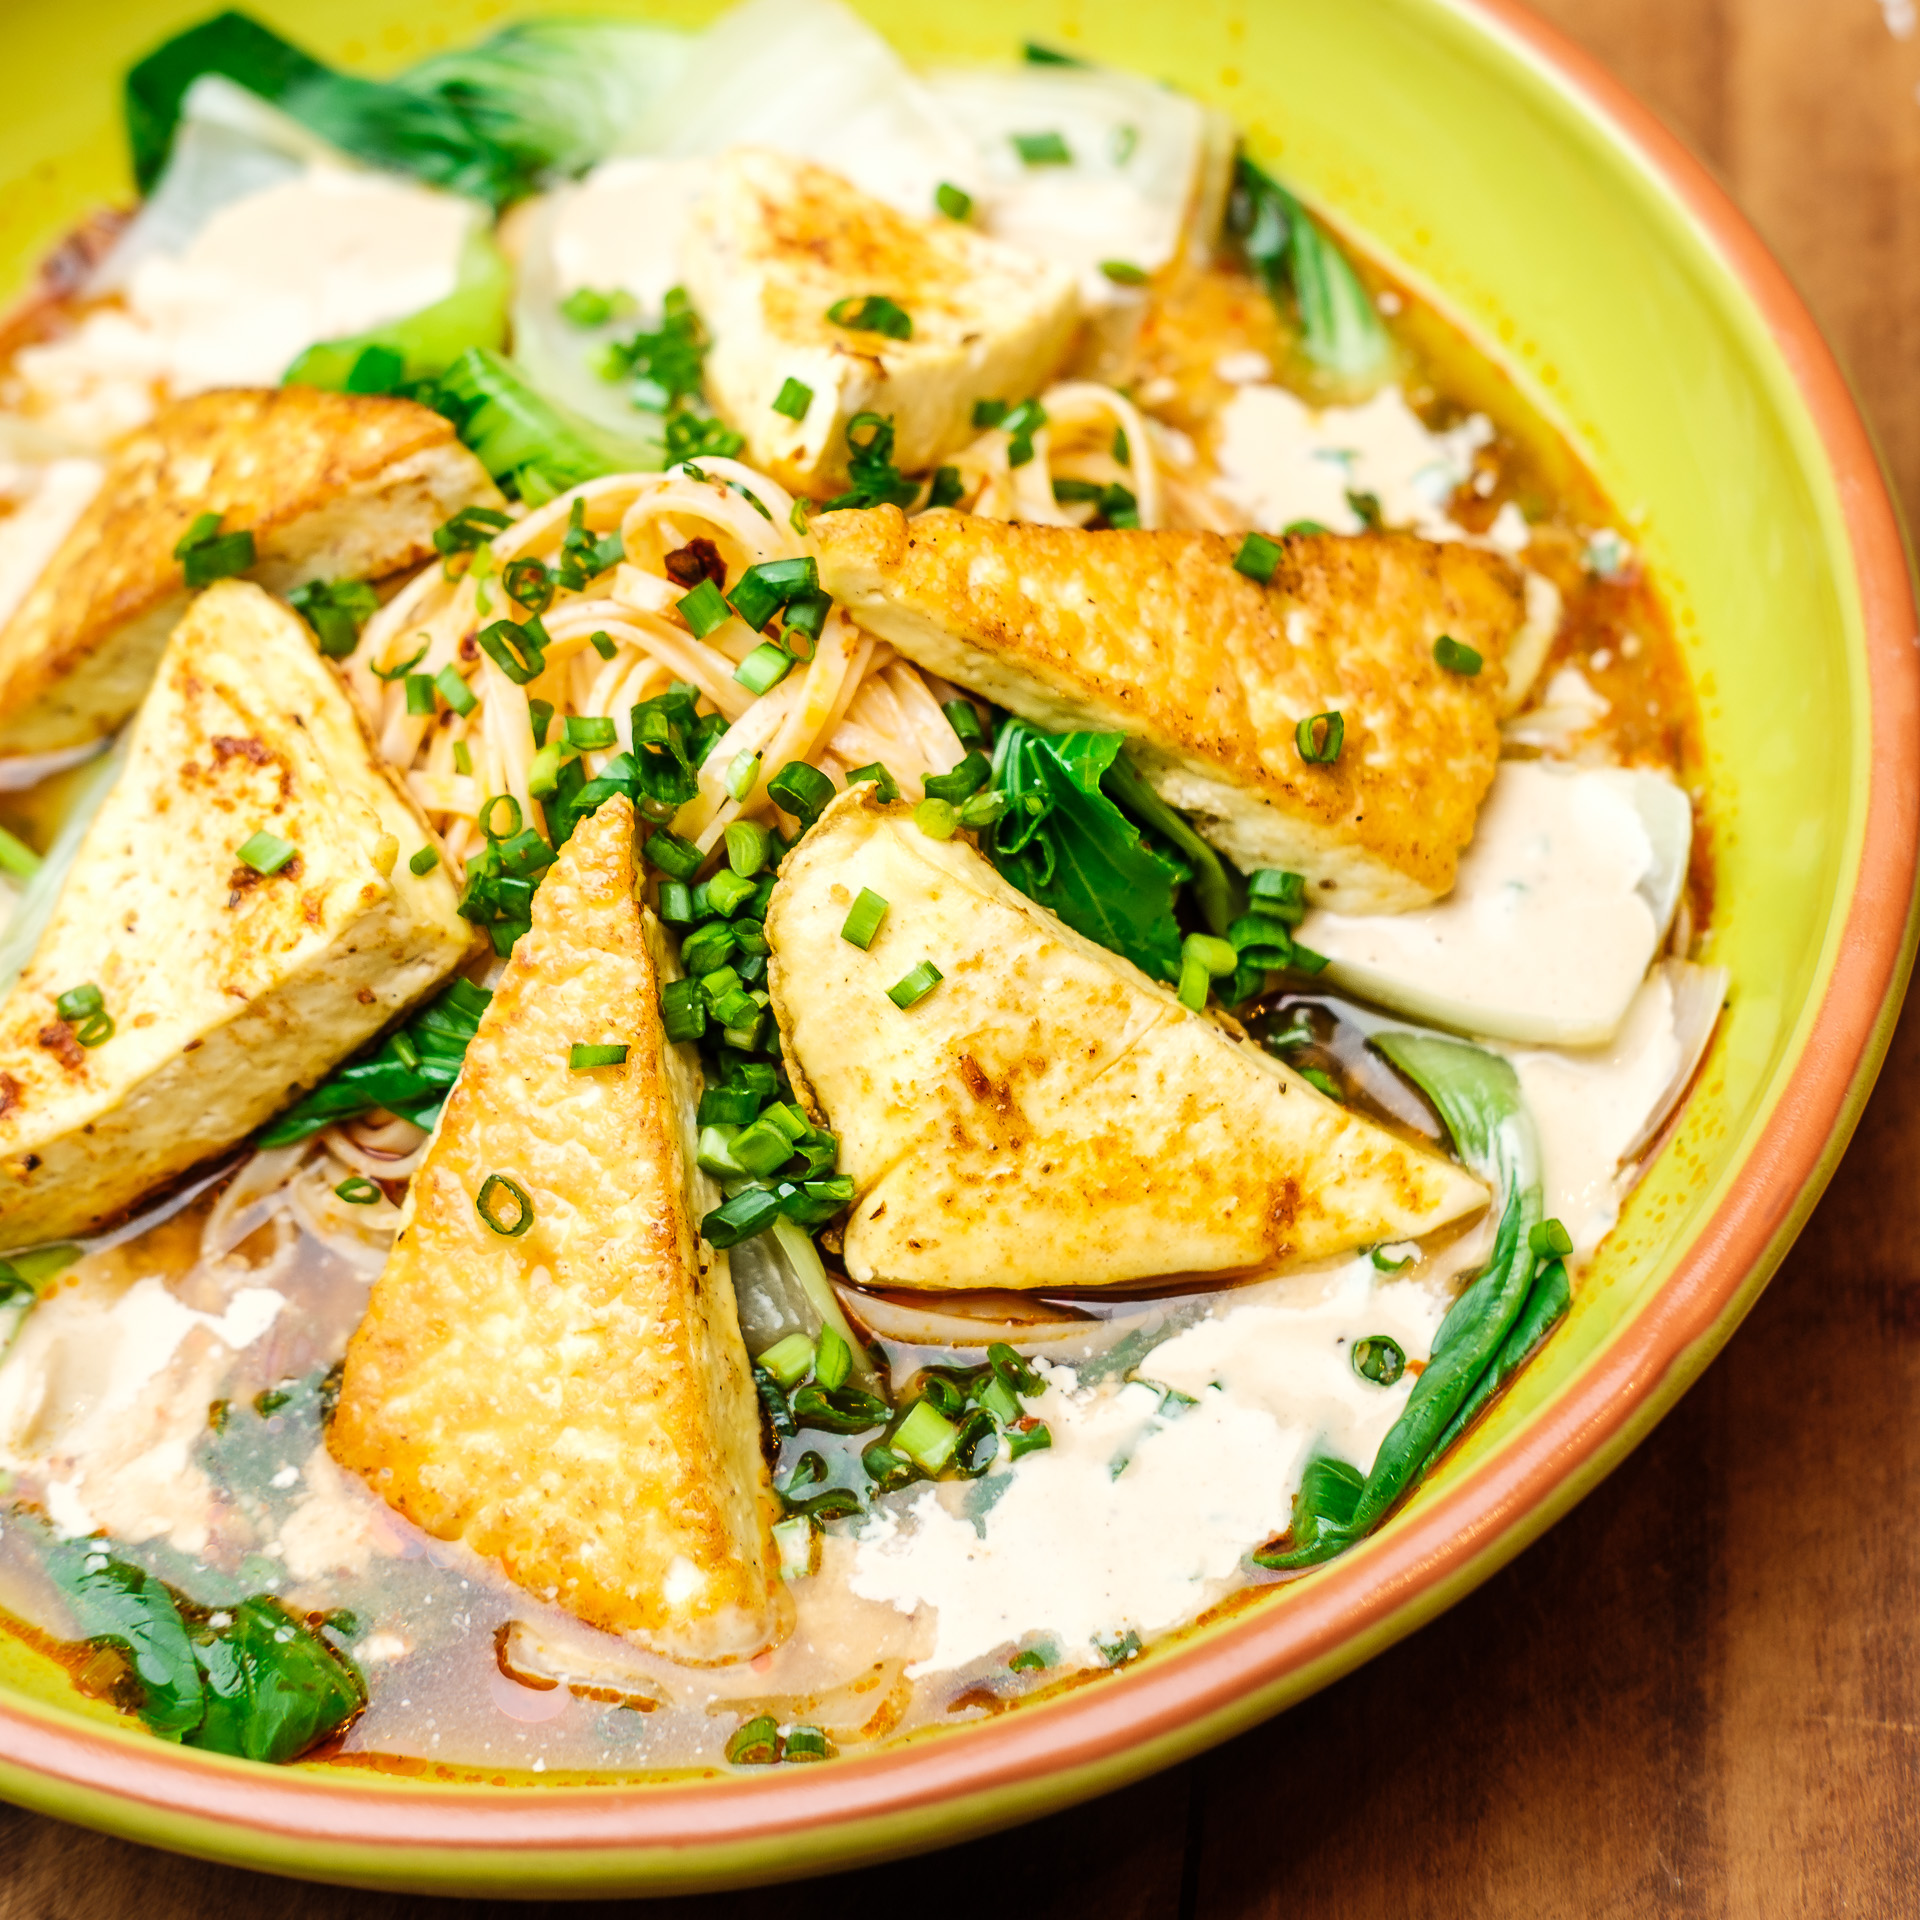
(1552, 216)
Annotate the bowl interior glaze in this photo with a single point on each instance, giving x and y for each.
(1624, 298)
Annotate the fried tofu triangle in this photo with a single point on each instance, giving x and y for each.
(1047, 1115)
(332, 486)
(1208, 673)
(573, 1398)
(230, 990)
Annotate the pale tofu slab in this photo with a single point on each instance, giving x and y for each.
(231, 993)
(333, 486)
(775, 242)
(1049, 1116)
(574, 1401)
(1208, 673)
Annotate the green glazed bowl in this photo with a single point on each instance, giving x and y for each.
(1506, 175)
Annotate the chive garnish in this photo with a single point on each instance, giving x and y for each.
(748, 846)
(471, 527)
(872, 313)
(518, 651)
(1041, 149)
(496, 1192)
(424, 861)
(751, 1211)
(603, 644)
(743, 770)
(486, 816)
(590, 731)
(793, 399)
(1257, 558)
(705, 609)
(955, 202)
(264, 852)
(1379, 1359)
(451, 688)
(206, 554)
(420, 695)
(889, 787)
(764, 589)
(801, 790)
(358, 1191)
(1550, 1241)
(85, 1010)
(863, 919)
(937, 819)
(764, 668)
(1320, 737)
(1456, 657)
(528, 581)
(757, 1744)
(964, 718)
(683, 1011)
(806, 1744)
(583, 1058)
(914, 985)
(674, 856)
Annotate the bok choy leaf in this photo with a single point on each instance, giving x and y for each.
(1289, 252)
(1063, 842)
(1503, 1314)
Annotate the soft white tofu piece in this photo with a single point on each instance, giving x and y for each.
(573, 1399)
(231, 992)
(1047, 1115)
(777, 242)
(1562, 900)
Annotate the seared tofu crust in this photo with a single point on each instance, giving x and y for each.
(231, 992)
(1047, 1115)
(1208, 673)
(777, 241)
(574, 1401)
(333, 486)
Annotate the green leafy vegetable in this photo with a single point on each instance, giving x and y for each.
(1065, 843)
(1291, 253)
(121, 1606)
(537, 100)
(409, 1073)
(1477, 1094)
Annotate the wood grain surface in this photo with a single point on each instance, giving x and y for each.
(1700, 1694)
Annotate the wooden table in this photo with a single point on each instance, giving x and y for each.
(1700, 1694)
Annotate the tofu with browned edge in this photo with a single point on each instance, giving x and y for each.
(230, 991)
(1156, 635)
(776, 243)
(332, 486)
(1047, 1115)
(572, 1397)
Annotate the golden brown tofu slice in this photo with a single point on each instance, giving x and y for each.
(573, 1398)
(777, 243)
(332, 486)
(1047, 1115)
(230, 991)
(1209, 674)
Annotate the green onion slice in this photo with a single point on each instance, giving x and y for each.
(705, 609)
(424, 861)
(1550, 1241)
(914, 985)
(1379, 1359)
(863, 920)
(453, 689)
(265, 852)
(872, 313)
(1257, 558)
(497, 1195)
(764, 668)
(1041, 149)
(1456, 657)
(518, 651)
(358, 1191)
(1123, 273)
(583, 1059)
(801, 790)
(793, 399)
(486, 816)
(955, 202)
(1320, 737)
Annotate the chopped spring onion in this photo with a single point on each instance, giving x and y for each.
(729, 891)
(603, 644)
(937, 819)
(835, 1361)
(1041, 149)
(947, 489)
(540, 718)
(1037, 54)
(590, 731)
(764, 589)
(336, 610)
(863, 919)
(1282, 894)
(748, 846)
(85, 1010)
(543, 772)
(505, 1205)
(1203, 959)
(676, 903)
(1123, 273)
(17, 859)
(756, 1744)
(793, 399)
(1257, 558)
(889, 787)
(463, 758)
(518, 651)
(955, 202)
(1122, 452)
(529, 582)
(673, 855)
(751, 1211)
(424, 861)
(964, 718)
(966, 778)
(1027, 1661)
(485, 816)
(470, 528)
(872, 313)
(1322, 1082)
(1379, 1359)
(1456, 657)
(1302, 526)
(1020, 424)
(358, 1191)
(583, 1059)
(801, 790)
(790, 1360)
(705, 609)
(1320, 737)
(1550, 1241)
(405, 666)
(743, 770)
(265, 852)
(982, 810)
(683, 1010)
(586, 307)
(806, 1744)
(455, 691)
(914, 985)
(927, 1437)
(765, 667)
(1385, 1265)
(420, 695)
(206, 554)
